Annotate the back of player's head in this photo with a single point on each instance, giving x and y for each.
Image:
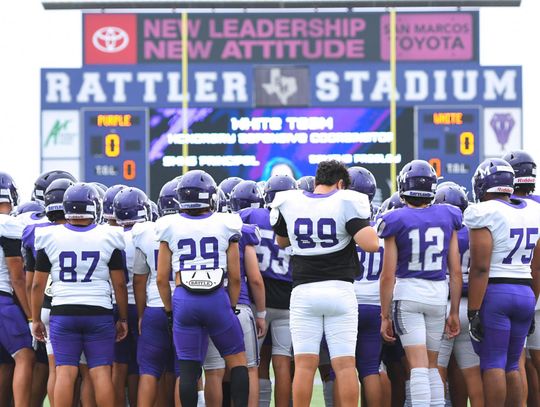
(108, 199)
(54, 198)
(417, 182)
(246, 195)
(493, 175)
(81, 201)
(363, 181)
(306, 183)
(131, 205)
(524, 170)
(8, 190)
(277, 183)
(451, 195)
(228, 184)
(197, 190)
(45, 179)
(330, 172)
(167, 202)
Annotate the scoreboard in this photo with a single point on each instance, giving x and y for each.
(449, 139)
(115, 146)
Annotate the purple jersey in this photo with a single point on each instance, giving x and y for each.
(250, 237)
(422, 238)
(273, 261)
(29, 236)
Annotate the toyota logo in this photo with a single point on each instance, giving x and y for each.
(110, 39)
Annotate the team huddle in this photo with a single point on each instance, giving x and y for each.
(109, 299)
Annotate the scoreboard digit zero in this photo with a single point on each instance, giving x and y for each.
(115, 145)
(449, 138)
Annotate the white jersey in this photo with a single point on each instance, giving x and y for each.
(198, 245)
(366, 286)
(144, 239)
(324, 231)
(32, 218)
(515, 231)
(79, 259)
(10, 228)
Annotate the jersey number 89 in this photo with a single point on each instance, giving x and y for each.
(326, 233)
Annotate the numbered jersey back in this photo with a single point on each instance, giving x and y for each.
(422, 237)
(366, 285)
(79, 258)
(316, 223)
(514, 228)
(199, 245)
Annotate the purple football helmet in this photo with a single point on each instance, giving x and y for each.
(155, 211)
(167, 202)
(197, 189)
(493, 175)
(222, 205)
(524, 167)
(306, 183)
(54, 194)
(81, 201)
(228, 184)
(277, 183)
(246, 195)
(131, 205)
(30, 206)
(417, 179)
(452, 195)
(8, 190)
(108, 199)
(45, 179)
(363, 181)
(394, 202)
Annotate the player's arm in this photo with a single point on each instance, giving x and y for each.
(14, 263)
(39, 282)
(233, 272)
(29, 266)
(387, 281)
(456, 282)
(118, 280)
(140, 279)
(280, 228)
(363, 234)
(163, 273)
(481, 247)
(256, 286)
(535, 269)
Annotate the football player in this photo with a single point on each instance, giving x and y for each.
(306, 183)
(501, 302)
(130, 206)
(201, 247)
(155, 351)
(322, 228)
(45, 179)
(366, 288)
(15, 338)
(81, 258)
(108, 200)
(276, 273)
(461, 346)
(420, 244)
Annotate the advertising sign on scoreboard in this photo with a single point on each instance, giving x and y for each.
(447, 138)
(115, 146)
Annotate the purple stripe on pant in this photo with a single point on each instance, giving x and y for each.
(197, 316)
(14, 332)
(125, 351)
(369, 341)
(155, 350)
(93, 334)
(506, 314)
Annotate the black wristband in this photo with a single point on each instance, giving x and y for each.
(471, 313)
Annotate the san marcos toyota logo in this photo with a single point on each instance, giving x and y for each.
(110, 39)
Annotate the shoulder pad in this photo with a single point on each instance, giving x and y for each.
(11, 227)
(350, 195)
(282, 196)
(478, 216)
(251, 234)
(232, 221)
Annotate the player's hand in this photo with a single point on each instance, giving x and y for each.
(121, 329)
(261, 327)
(387, 330)
(453, 326)
(38, 330)
(532, 328)
(476, 330)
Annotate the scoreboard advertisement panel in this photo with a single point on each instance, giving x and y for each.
(115, 146)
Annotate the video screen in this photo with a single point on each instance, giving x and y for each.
(257, 143)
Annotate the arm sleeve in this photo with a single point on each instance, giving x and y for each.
(42, 261)
(29, 259)
(278, 223)
(251, 235)
(117, 260)
(387, 225)
(354, 225)
(476, 217)
(457, 218)
(11, 247)
(355, 205)
(140, 266)
(233, 224)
